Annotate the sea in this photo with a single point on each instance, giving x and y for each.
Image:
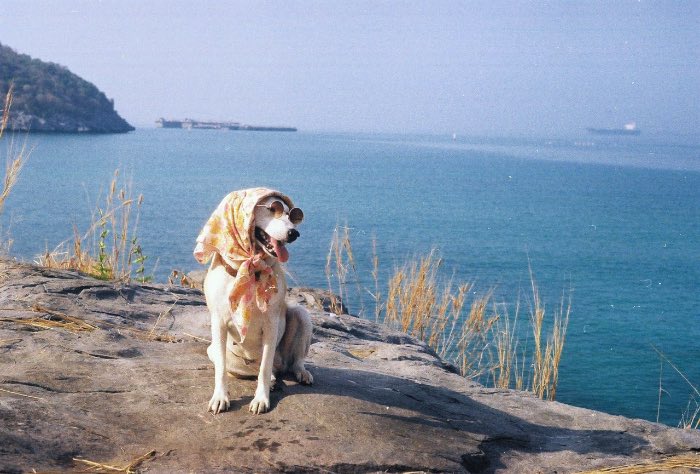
(611, 222)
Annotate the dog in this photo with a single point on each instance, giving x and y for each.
(254, 332)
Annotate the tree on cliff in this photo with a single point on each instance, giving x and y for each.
(50, 98)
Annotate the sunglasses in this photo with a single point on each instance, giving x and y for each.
(296, 215)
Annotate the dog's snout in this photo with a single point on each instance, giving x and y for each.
(292, 235)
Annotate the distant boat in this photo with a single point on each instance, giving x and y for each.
(169, 123)
(259, 128)
(628, 129)
(190, 124)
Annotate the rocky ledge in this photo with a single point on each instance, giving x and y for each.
(117, 375)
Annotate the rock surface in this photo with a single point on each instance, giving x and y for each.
(127, 374)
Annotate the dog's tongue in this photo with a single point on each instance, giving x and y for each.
(280, 250)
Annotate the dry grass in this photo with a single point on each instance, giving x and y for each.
(10, 341)
(507, 372)
(56, 320)
(340, 266)
(178, 277)
(21, 394)
(197, 338)
(474, 348)
(668, 464)
(691, 418)
(470, 330)
(15, 159)
(418, 305)
(545, 368)
(156, 335)
(376, 295)
(53, 320)
(109, 249)
(130, 468)
(482, 343)
(7, 105)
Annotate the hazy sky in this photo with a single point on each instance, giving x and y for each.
(435, 66)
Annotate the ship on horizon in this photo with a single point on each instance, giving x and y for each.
(629, 129)
(190, 124)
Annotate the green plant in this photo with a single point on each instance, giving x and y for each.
(140, 260)
(110, 248)
(104, 272)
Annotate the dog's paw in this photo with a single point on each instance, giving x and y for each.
(219, 402)
(259, 405)
(303, 376)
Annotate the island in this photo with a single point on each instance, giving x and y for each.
(48, 98)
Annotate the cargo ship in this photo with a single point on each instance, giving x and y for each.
(190, 124)
(628, 129)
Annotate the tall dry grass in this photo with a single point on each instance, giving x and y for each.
(419, 305)
(109, 249)
(376, 295)
(690, 419)
(508, 370)
(473, 355)
(483, 341)
(341, 269)
(469, 329)
(15, 158)
(546, 358)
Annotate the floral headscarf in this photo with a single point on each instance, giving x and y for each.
(230, 232)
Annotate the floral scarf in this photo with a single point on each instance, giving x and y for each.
(230, 232)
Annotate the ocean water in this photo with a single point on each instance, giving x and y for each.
(614, 221)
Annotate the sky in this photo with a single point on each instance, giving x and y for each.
(473, 68)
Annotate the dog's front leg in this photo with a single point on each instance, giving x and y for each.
(261, 402)
(217, 353)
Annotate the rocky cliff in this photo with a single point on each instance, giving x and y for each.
(117, 375)
(50, 98)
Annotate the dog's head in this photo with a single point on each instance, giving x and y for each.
(275, 226)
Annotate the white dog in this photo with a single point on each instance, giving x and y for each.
(253, 330)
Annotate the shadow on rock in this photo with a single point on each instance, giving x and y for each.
(449, 422)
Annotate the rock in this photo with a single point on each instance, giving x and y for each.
(123, 377)
(317, 299)
(195, 279)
